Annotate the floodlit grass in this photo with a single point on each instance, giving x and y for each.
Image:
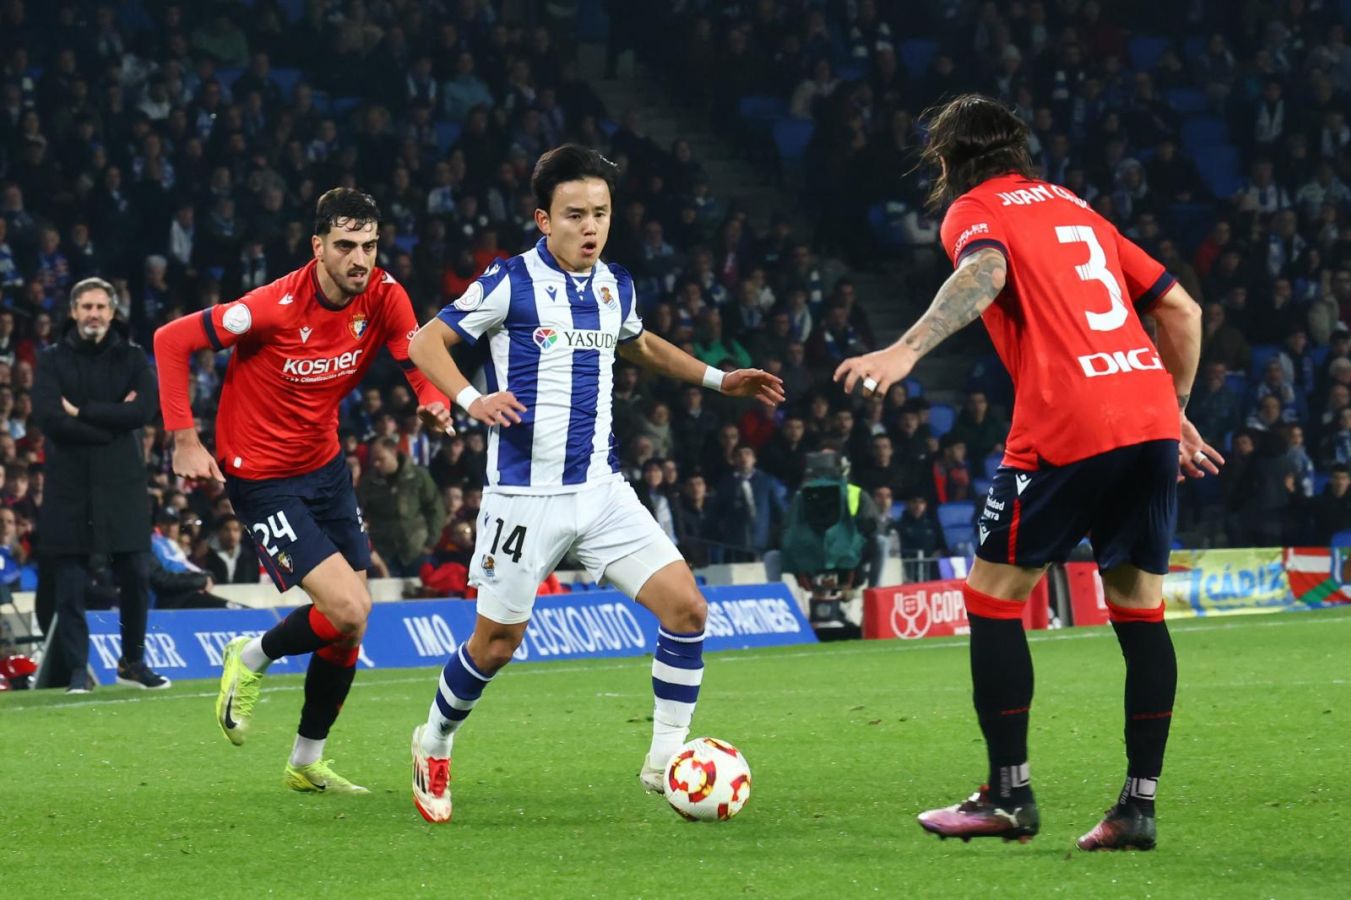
(126, 793)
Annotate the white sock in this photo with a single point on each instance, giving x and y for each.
(306, 751)
(670, 729)
(437, 740)
(253, 657)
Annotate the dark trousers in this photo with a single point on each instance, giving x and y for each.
(71, 578)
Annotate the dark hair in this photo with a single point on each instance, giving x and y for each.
(1339, 469)
(569, 162)
(977, 138)
(344, 207)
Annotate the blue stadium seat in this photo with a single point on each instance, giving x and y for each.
(761, 106)
(956, 512)
(897, 507)
(1261, 355)
(1319, 356)
(1200, 133)
(1187, 101)
(1219, 170)
(286, 80)
(980, 487)
(1193, 48)
(960, 539)
(608, 126)
(227, 76)
(917, 54)
(1238, 383)
(1144, 51)
(1190, 222)
(406, 242)
(1320, 481)
(593, 23)
(1341, 539)
(992, 464)
(941, 419)
(700, 580)
(850, 70)
(294, 10)
(341, 106)
(447, 133)
(791, 137)
(914, 388)
(884, 223)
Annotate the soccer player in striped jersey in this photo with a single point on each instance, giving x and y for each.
(554, 318)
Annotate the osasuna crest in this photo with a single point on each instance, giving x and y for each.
(607, 298)
(358, 324)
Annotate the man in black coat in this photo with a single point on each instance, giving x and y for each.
(93, 391)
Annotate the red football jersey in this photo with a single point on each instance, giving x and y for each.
(296, 358)
(1086, 377)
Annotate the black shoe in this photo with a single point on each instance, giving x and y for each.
(138, 674)
(80, 683)
(1124, 828)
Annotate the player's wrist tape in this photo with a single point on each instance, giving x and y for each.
(713, 379)
(465, 398)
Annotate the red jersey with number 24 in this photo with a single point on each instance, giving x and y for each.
(1086, 377)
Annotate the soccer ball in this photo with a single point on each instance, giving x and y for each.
(707, 780)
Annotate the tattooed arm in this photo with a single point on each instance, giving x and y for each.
(959, 302)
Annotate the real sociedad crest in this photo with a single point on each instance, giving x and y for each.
(607, 298)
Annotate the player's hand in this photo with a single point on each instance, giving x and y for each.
(1195, 457)
(70, 408)
(500, 408)
(436, 417)
(876, 371)
(193, 461)
(761, 385)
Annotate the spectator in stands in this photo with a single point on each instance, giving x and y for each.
(177, 582)
(921, 539)
(1297, 458)
(951, 473)
(834, 339)
(749, 509)
(233, 559)
(1214, 408)
(979, 428)
(881, 469)
(403, 509)
(659, 500)
(1273, 384)
(1330, 511)
(785, 456)
(697, 521)
(446, 572)
(1222, 342)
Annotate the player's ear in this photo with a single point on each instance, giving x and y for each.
(317, 245)
(542, 222)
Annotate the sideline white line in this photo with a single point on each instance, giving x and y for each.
(726, 656)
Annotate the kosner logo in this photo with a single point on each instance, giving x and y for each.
(328, 366)
(1141, 359)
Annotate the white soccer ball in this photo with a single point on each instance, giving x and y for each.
(707, 780)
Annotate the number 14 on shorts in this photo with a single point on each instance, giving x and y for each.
(514, 544)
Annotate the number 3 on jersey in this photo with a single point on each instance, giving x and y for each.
(1096, 270)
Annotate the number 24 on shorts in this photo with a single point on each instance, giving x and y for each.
(514, 544)
(276, 528)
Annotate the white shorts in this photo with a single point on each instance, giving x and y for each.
(523, 537)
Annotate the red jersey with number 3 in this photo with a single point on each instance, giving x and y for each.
(296, 357)
(1086, 377)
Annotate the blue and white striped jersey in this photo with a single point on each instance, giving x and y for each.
(552, 337)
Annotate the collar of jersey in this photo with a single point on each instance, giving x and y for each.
(321, 298)
(568, 277)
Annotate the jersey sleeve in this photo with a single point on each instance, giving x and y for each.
(631, 324)
(1146, 278)
(482, 307)
(250, 319)
(969, 226)
(400, 326)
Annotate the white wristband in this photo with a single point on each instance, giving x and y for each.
(713, 379)
(465, 398)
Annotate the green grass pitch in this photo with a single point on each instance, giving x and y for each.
(127, 794)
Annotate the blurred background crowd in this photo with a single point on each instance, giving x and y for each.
(177, 149)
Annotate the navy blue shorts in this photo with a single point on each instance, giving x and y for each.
(299, 522)
(1124, 501)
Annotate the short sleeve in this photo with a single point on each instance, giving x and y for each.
(251, 318)
(482, 307)
(1146, 278)
(631, 325)
(969, 226)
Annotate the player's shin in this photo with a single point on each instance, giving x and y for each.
(1001, 678)
(327, 683)
(1151, 684)
(457, 693)
(677, 672)
(303, 631)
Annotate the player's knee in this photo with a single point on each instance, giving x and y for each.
(690, 612)
(349, 617)
(494, 652)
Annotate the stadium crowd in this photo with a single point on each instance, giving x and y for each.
(177, 149)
